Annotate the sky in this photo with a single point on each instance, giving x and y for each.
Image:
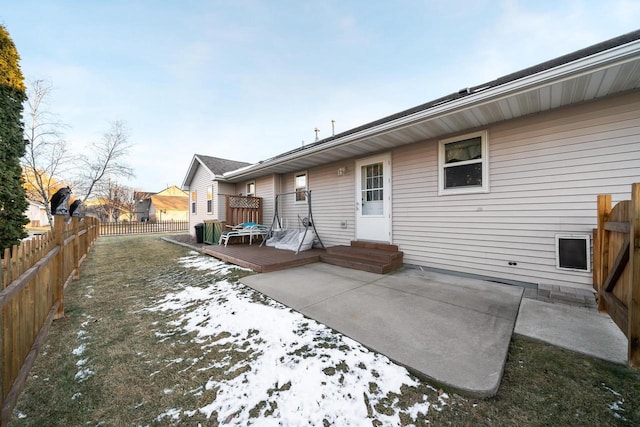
(248, 80)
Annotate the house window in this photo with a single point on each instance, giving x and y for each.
(300, 186)
(573, 252)
(210, 199)
(463, 164)
(193, 202)
(251, 189)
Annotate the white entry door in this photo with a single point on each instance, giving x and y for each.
(373, 198)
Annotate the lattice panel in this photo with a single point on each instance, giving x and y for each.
(244, 202)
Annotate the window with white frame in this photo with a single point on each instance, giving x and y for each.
(300, 186)
(463, 165)
(210, 199)
(193, 202)
(251, 189)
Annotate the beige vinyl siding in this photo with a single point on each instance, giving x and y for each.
(221, 190)
(333, 201)
(332, 198)
(545, 174)
(201, 180)
(266, 188)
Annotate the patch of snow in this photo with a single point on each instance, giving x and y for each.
(76, 396)
(83, 374)
(173, 414)
(616, 407)
(81, 362)
(78, 351)
(304, 372)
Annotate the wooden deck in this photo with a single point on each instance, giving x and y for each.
(262, 259)
(372, 257)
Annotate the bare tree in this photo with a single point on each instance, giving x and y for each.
(46, 157)
(106, 160)
(114, 201)
(129, 204)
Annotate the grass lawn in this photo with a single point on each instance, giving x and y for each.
(157, 335)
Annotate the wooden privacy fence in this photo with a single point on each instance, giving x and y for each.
(34, 275)
(617, 266)
(119, 228)
(241, 209)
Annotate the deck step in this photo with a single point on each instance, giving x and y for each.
(374, 245)
(367, 256)
(373, 267)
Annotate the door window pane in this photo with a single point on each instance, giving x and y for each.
(372, 189)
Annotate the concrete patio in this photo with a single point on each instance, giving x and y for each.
(453, 330)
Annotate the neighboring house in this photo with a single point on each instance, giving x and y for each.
(499, 180)
(143, 204)
(37, 214)
(171, 204)
(206, 188)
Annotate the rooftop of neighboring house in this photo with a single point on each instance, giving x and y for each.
(170, 203)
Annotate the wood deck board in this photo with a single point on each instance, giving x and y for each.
(262, 259)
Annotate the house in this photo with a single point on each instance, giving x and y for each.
(37, 214)
(143, 204)
(207, 188)
(171, 204)
(497, 181)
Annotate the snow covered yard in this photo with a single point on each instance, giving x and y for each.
(295, 371)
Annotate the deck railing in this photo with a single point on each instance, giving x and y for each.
(33, 277)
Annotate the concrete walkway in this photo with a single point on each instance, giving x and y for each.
(453, 330)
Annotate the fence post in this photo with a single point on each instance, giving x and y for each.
(604, 209)
(58, 236)
(76, 248)
(633, 305)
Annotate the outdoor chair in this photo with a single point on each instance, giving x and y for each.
(250, 229)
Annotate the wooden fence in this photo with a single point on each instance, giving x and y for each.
(617, 266)
(33, 277)
(119, 228)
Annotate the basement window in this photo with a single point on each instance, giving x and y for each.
(463, 164)
(573, 252)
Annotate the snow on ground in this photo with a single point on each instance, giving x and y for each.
(297, 371)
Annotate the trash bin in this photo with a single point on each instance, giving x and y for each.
(199, 232)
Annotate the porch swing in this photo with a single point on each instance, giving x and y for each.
(290, 238)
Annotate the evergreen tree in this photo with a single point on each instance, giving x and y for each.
(13, 200)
